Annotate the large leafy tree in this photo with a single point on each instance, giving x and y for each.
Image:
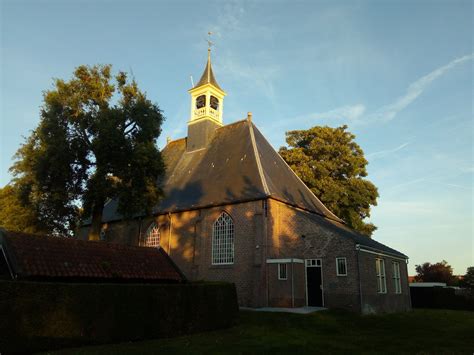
(16, 217)
(438, 272)
(333, 166)
(95, 141)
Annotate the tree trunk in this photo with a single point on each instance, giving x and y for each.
(94, 231)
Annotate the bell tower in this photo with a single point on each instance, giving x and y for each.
(207, 103)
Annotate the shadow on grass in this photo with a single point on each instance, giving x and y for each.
(420, 331)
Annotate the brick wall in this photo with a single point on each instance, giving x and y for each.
(289, 292)
(288, 225)
(281, 232)
(187, 238)
(373, 302)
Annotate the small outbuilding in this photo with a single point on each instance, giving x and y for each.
(43, 258)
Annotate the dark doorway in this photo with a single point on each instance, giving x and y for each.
(314, 285)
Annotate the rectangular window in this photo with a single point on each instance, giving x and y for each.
(341, 266)
(396, 277)
(282, 274)
(380, 272)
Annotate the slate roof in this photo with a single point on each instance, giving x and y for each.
(358, 239)
(36, 257)
(238, 165)
(208, 76)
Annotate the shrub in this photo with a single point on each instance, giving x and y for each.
(40, 316)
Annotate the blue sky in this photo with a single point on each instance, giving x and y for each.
(398, 73)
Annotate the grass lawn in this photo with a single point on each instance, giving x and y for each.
(420, 331)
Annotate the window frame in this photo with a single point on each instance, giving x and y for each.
(152, 228)
(381, 276)
(280, 269)
(397, 282)
(218, 246)
(337, 266)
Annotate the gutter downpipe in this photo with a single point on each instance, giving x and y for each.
(360, 282)
(292, 285)
(169, 234)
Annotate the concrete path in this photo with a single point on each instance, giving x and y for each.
(300, 310)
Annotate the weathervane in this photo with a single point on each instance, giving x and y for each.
(208, 40)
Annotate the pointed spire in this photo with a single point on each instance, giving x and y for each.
(208, 76)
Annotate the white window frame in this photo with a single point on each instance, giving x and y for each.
(223, 240)
(282, 268)
(381, 277)
(396, 277)
(152, 236)
(345, 266)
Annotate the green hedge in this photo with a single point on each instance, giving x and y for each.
(439, 297)
(40, 316)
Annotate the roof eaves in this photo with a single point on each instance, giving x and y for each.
(361, 246)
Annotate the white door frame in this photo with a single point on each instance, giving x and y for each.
(306, 277)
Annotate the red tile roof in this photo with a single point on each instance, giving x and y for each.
(36, 257)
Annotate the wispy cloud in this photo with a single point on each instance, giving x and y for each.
(388, 112)
(356, 114)
(343, 114)
(262, 77)
(383, 153)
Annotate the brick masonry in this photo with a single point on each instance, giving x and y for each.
(274, 231)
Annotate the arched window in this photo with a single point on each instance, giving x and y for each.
(223, 240)
(200, 101)
(152, 237)
(214, 103)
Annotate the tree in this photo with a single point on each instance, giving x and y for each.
(468, 279)
(16, 217)
(95, 141)
(439, 272)
(333, 166)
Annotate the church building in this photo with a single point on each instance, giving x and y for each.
(235, 211)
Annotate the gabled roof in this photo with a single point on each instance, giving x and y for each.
(208, 76)
(238, 165)
(40, 257)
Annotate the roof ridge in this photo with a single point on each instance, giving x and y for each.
(257, 159)
(325, 210)
(175, 140)
(233, 123)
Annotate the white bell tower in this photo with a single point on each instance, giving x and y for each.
(207, 104)
(207, 98)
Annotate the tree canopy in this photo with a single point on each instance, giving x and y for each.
(95, 141)
(438, 272)
(16, 217)
(468, 279)
(333, 166)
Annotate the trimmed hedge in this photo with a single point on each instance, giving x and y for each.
(42, 316)
(439, 297)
